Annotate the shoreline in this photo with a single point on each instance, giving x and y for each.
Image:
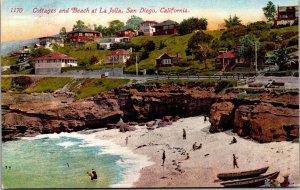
(214, 157)
(129, 158)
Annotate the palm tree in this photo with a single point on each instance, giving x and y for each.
(232, 21)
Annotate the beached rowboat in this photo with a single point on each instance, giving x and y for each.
(251, 182)
(241, 175)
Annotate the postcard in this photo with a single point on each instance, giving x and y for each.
(149, 94)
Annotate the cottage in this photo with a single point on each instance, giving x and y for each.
(286, 15)
(48, 40)
(230, 60)
(83, 35)
(106, 43)
(52, 63)
(147, 27)
(125, 33)
(118, 56)
(165, 27)
(168, 59)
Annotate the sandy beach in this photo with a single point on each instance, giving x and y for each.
(203, 165)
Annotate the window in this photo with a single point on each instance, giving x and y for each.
(171, 26)
(80, 34)
(166, 27)
(167, 61)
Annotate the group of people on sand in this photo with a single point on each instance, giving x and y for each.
(276, 183)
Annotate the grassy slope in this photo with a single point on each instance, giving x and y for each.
(7, 60)
(49, 84)
(6, 84)
(92, 87)
(174, 44)
(81, 87)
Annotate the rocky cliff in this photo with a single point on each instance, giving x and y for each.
(265, 117)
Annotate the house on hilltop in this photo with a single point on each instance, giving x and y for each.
(118, 56)
(52, 63)
(106, 43)
(168, 60)
(147, 27)
(48, 40)
(83, 35)
(165, 27)
(286, 15)
(126, 33)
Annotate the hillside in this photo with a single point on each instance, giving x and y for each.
(173, 45)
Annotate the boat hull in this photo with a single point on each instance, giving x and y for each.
(241, 175)
(252, 182)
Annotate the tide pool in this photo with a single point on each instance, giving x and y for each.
(42, 162)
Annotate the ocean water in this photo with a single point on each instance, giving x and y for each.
(41, 162)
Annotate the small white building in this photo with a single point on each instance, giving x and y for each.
(118, 56)
(52, 63)
(106, 43)
(147, 27)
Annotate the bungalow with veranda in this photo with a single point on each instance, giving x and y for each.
(52, 63)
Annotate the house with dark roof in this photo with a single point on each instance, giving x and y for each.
(52, 63)
(126, 33)
(165, 27)
(167, 60)
(118, 56)
(83, 35)
(48, 40)
(147, 27)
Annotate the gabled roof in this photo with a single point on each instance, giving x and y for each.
(170, 55)
(55, 55)
(149, 21)
(87, 30)
(128, 29)
(227, 55)
(166, 22)
(118, 52)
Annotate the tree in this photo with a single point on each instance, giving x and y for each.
(200, 43)
(247, 48)
(232, 21)
(102, 29)
(115, 25)
(187, 26)
(40, 52)
(79, 25)
(94, 60)
(270, 11)
(63, 33)
(149, 45)
(281, 58)
(234, 33)
(134, 22)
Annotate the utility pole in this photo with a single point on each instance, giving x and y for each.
(136, 66)
(255, 44)
(113, 66)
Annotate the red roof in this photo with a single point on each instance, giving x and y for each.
(55, 55)
(228, 55)
(149, 21)
(119, 52)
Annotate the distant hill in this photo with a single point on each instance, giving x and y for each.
(7, 47)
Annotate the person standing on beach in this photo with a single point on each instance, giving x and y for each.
(184, 134)
(163, 158)
(235, 161)
(126, 140)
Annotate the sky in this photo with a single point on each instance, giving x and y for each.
(25, 23)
